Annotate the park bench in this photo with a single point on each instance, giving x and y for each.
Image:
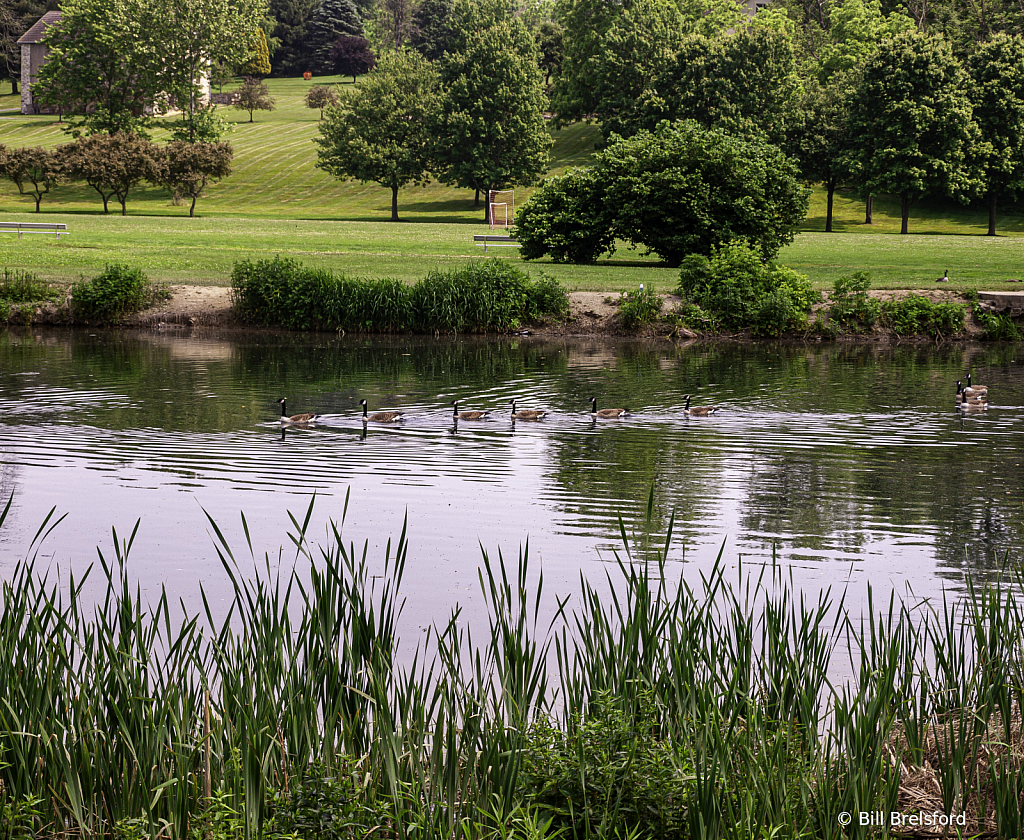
(495, 241)
(56, 228)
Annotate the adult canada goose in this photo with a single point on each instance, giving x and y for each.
(698, 411)
(981, 389)
(944, 278)
(606, 413)
(962, 395)
(295, 418)
(381, 416)
(467, 415)
(527, 414)
(969, 404)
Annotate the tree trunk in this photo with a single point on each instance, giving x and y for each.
(869, 209)
(14, 85)
(831, 185)
(124, 206)
(992, 199)
(39, 198)
(394, 202)
(476, 198)
(905, 212)
(487, 206)
(192, 209)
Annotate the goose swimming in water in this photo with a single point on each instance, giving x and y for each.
(467, 415)
(699, 410)
(606, 413)
(295, 418)
(381, 416)
(526, 414)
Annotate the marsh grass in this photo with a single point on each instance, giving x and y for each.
(645, 707)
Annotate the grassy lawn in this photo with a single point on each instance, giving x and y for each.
(277, 202)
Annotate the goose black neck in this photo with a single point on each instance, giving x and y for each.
(282, 408)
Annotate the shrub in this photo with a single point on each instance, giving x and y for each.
(850, 309)
(639, 307)
(744, 291)
(565, 219)
(493, 295)
(916, 315)
(119, 291)
(547, 297)
(17, 286)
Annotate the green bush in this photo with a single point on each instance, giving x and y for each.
(566, 220)
(491, 295)
(119, 291)
(744, 291)
(997, 326)
(639, 307)
(24, 287)
(916, 315)
(850, 309)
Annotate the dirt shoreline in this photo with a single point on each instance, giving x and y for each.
(591, 314)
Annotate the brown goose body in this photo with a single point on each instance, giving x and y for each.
(526, 414)
(380, 416)
(699, 410)
(981, 390)
(606, 413)
(467, 415)
(963, 395)
(295, 418)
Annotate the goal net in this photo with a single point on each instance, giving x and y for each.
(503, 207)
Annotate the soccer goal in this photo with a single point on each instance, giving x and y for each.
(503, 207)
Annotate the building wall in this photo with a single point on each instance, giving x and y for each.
(33, 56)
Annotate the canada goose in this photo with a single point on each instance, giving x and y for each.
(981, 389)
(972, 405)
(962, 395)
(528, 414)
(296, 418)
(606, 413)
(467, 415)
(697, 411)
(944, 278)
(381, 416)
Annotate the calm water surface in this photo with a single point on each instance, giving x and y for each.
(850, 463)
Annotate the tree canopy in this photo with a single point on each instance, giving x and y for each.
(334, 19)
(383, 133)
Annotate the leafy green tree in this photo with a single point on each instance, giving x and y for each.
(332, 20)
(254, 95)
(966, 25)
(997, 68)
(258, 62)
(114, 164)
(550, 36)
(567, 218)
(857, 28)
(102, 70)
(10, 52)
(911, 126)
(206, 126)
(383, 133)
(34, 171)
(490, 131)
(351, 56)
(744, 83)
(321, 96)
(188, 168)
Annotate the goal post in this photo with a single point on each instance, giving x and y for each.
(502, 206)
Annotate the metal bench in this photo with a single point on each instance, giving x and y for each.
(56, 228)
(495, 241)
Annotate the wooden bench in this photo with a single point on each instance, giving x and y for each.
(56, 228)
(495, 241)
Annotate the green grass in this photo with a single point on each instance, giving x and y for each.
(277, 202)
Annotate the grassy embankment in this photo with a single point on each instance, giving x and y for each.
(276, 202)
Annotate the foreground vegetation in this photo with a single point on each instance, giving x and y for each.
(674, 711)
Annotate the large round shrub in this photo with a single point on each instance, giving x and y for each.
(683, 189)
(566, 220)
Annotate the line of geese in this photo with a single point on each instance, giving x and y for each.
(971, 397)
(525, 414)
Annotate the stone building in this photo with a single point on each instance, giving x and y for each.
(33, 56)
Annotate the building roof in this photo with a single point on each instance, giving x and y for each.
(35, 34)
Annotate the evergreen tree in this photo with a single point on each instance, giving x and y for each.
(292, 19)
(258, 62)
(432, 28)
(333, 19)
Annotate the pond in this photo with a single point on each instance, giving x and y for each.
(847, 463)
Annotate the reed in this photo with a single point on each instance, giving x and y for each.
(647, 707)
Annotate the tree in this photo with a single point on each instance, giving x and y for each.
(490, 131)
(352, 56)
(333, 19)
(321, 96)
(549, 37)
(114, 164)
(681, 189)
(42, 168)
(432, 28)
(100, 69)
(254, 95)
(187, 36)
(383, 134)
(998, 99)
(857, 28)
(258, 62)
(911, 124)
(188, 168)
(291, 19)
(10, 52)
